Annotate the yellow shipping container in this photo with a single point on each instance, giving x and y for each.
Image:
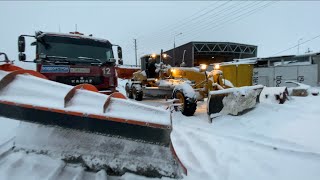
(238, 74)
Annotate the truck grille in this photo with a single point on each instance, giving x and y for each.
(75, 80)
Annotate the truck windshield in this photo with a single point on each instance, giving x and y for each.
(75, 48)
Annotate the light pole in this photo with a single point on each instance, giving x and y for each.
(174, 48)
(299, 44)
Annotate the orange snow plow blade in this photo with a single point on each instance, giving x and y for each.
(80, 125)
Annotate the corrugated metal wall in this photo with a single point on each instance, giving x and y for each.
(276, 76)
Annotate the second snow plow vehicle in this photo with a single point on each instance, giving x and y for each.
(156, 80)
(189, 85)
(80, 125)
(74, 59)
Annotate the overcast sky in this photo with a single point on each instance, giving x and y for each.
(273, 26)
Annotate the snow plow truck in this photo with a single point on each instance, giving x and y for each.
(80, 125)
(74, 59)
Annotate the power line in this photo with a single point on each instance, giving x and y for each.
(222, 19)
(181, 24)
(233, 19)
(194, 24)
(177, 24)
(315, 37)
(226, 16)
(204, 24)
(246, 14)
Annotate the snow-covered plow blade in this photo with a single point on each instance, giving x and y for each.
(233, 101)
(82, 126)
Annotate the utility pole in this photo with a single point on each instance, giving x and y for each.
(174, 48)
(135, 49)
(308, 51)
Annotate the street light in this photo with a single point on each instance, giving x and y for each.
(174, 48)
(299, 44)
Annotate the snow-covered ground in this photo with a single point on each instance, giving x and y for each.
(273, 141)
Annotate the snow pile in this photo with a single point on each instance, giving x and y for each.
(270, 94)
(314, 91)
(95, 151)
(240, 61)
(291, 63)
(301, 89)
(20, 165)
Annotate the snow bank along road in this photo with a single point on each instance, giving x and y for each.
(272, 141)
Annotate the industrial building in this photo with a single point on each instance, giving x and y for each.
(195, 53)
(275, 71)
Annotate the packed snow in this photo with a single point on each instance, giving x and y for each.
(272, 141)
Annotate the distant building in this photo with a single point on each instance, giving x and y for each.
(276, 70)
(303, 59)
(195, 53)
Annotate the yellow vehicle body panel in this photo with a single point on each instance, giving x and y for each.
(188, 73)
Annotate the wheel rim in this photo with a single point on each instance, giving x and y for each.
(180, 96)
(127, 91)
(134, 93)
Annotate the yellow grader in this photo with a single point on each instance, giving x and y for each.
(188, 85)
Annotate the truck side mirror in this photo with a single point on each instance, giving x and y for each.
(22, 56)
(21, 44)
(119, 52)
(5, 57)
(120, 62)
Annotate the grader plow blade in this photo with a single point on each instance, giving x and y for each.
(234, 101)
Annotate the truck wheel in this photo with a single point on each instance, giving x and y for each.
(188, 106)
(128, 91)
(137, 94)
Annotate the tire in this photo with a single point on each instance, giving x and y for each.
(128, 91)
(137, 94)
(189, 105)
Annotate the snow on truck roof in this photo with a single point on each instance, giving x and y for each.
(77, 36)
